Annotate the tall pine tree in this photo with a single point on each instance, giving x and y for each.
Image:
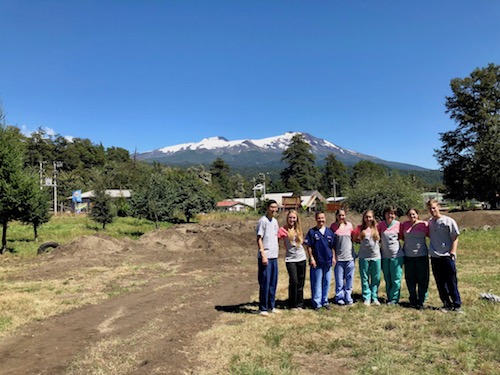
(301, 171)
(334, 178)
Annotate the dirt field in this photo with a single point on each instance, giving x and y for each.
(196, 272)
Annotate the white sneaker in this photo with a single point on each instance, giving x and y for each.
(264, 313)
(276, 311)
(376, 302)
(366, 303)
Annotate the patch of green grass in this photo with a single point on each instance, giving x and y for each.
(249, 365)
(273, 337)
(5, 321)
(63, 229)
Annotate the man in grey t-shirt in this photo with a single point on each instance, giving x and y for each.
(267, 242)
(443, 234)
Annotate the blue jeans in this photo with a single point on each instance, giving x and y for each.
(344, 275)
(268, 281)
(320, 285)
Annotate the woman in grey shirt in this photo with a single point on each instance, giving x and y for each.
(295, 259)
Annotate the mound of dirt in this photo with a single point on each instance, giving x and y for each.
(476, 219)
(209, 240)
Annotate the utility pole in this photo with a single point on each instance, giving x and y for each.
(263, 177)
(254, 195)
(40, 163)
(56, 164)
(334, 183)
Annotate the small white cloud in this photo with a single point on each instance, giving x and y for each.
(49, 132)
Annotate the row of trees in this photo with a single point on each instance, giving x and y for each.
(370, 185)
(165, 194)
(160, 193)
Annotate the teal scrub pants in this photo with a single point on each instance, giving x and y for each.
(393, 273)
(369, 272)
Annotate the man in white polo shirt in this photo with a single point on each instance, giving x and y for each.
(267, 241)
(443, 234)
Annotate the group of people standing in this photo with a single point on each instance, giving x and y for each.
(384, 248)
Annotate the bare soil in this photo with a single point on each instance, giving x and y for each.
(215, 271)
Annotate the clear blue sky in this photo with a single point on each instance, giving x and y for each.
(371, 76)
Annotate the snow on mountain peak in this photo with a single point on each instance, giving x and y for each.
(210, 143)
(280, 142)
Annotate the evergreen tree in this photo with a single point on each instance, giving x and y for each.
(11, 176)
(366, 168)
(154, 199)
(470, 154)
(239, 185)
(334, 172)
(193, 196)
(35, 204)
(102, 210)
(221, 178)
(301, 170)
(117, 154)
(39, 148)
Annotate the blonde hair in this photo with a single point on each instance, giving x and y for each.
(295, 232)
(430, 202)
(373, 226)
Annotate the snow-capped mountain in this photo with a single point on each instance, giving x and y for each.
(253, 152)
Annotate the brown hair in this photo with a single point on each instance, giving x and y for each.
(337, 213)
(390, 209)
(411, 209)
(373, 226)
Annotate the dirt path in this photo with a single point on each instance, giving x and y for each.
(148, 330)
(154, 324)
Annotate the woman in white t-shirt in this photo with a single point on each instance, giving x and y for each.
(295, 259)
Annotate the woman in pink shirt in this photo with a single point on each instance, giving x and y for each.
(413, 232)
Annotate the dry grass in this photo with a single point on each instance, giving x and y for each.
(369, 340)
(24, 301)
(115, 355)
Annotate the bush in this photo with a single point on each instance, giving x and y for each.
(378, 192)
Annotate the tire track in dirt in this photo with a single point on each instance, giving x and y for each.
(180, 306)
